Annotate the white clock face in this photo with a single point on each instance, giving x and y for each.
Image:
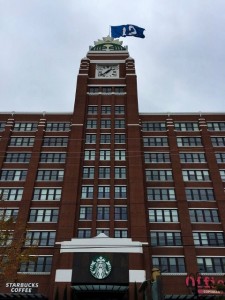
(107, 71)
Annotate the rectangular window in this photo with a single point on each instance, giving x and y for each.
(159, 238)
(53, 157)
(195, 175)
(104, 155)
(41, 264)
(209, 239)
(87, 192)
(40, 238)
(47, 194)
(105, 123)
(218, 141)
(120, 192)
(91, 124)
(159, 175)
(2, 126)
(90, 139)
(153, 126)
(93, 90)
(13, 175)
(44, 215)
(103, 213)
(92, 109)
(50, 175)
(21, 141)
(101, 230)
(84, 233)
(199, 194)
(189, 142)
(220, 157)
(103, 192)
(89, 155)
(54, 126)
(119, 90)
(163, 215)
(120, 213)
(106, 90)
(11, 194)
(25, 126)
(120, 172)
(88, 172)
(104, 172)
(120, 155)
(119, 138)
(192, 157)
(222, 175)
(119, 109)
(155, 141)
(6, 214)
(119, 123)
(106, 109)
(105, 138)
(186, 126)
(121, 233)
(85, 213)
(170, 264)
(14, 157)
(156, 157)
(211, 264)
(216, 126)
(204, 215)
(55, 141)
(161, 194)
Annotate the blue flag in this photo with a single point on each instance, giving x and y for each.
(127, 30)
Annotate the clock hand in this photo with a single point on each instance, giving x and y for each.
(107, 71)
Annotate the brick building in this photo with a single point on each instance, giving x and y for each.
(110, 193)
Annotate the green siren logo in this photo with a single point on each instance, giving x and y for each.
(100, 267)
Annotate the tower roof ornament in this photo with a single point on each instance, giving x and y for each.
(108, 44)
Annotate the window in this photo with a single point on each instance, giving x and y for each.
(84, 233)
(104, 155)
(119, 90)
(47, 194)
(170, 264)
(11, 194)
(163, 215)
(119, 109)
(120, 172)
(189, 142)
(55, 141)
(211, 264)
(159, 238)
(155, 141)
(119, 123)
(153, 126)
(103, 213)
(156, 157)
(119, 138)
(218, 141)
(13, 175)
(105, 123)
(196, 175)
(6, 214)
(90, 139)
(209, 239)
(186, 126)
(88, 172)
(216, 126)
(120, 192)
(50, 175)
(41, 264)
(91, 124)
(89, 155)
(220, 157)
(159, 175)
(2, 126)
(92, 109)
(106, 90)
(12, 157)
(104, 172)
(120, 155)
(44, 215)
(85, 213)
(222, 175)
(200, 194)
(192, 157)
(204, 215)
(40, 238)
(62, 126)
(53, 157)
(103, 192)
(93, 90)
(161, 194)
(120, 213)
(87, 192)
(121, 233)
(106, 110)
(20, 126)
(105, 138)
(21, 141)
(101, 230)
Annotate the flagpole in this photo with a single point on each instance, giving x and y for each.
(109, 30)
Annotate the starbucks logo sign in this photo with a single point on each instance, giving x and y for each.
(100, 267)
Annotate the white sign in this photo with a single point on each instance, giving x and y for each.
(21, 287)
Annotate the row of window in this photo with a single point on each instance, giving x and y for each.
(47, 141)
(104, 192)
(103, 213)
(42, 175)
(105, 138)
(106, 110)
(15, 194)
(104, 172)
(107, 90)
(182, 141)
(105, 124)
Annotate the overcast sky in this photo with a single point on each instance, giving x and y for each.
(180, 64)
